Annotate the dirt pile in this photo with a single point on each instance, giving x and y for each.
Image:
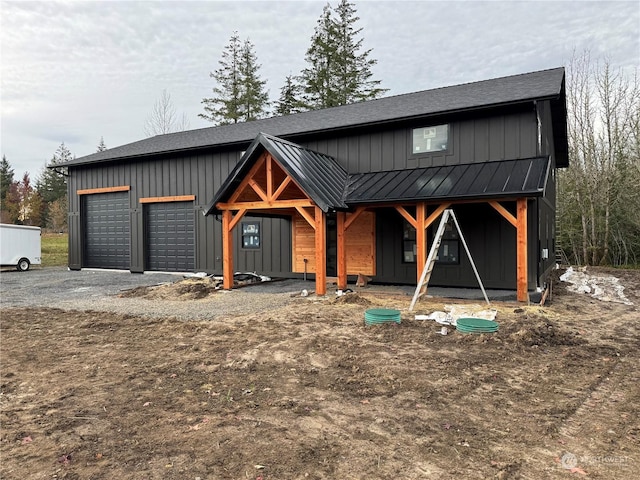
(537, 330)
(352, 298)
(184, 289)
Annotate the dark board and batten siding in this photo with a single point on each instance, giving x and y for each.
(501, 137)
(199, 175)
(507, 135)
(491, 240)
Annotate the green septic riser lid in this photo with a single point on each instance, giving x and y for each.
(476, 325)
(381, 315)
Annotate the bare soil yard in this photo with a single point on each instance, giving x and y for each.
(307, 391)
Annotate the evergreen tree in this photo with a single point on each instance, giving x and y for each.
(101, 146)
(6, 178)
(316, 78)
(290, 100)
(254, 97)
(239, 94)
(338, 72)
(352, 69)
(224, 107)
(52, 184)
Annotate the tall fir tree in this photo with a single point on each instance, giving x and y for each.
(316, 77)
(254, 97)
(101, 146)
(52, 184)
(6, 178)
(224, 107)
(239, 94)
(352, 68)
(338, 71)
(290, 100)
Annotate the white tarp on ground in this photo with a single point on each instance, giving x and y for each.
(453, 312)
(603, 287)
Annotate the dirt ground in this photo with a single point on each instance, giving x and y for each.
(309, 391)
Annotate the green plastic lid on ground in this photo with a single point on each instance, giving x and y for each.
(476, 325)
(381, 315)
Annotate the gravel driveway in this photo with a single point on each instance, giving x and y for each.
(97, 290)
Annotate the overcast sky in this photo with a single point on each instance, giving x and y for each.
(76, 71)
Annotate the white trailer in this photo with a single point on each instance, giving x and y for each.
(20, 246)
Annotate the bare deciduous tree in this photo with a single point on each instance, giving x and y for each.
(163, 118)
(599, 201)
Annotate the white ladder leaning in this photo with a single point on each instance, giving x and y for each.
(421, 288)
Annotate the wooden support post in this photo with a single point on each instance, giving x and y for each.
(421, 238)
(522, 267)
(321, 256)
(227, 250)
(342, 250)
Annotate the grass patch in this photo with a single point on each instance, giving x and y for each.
(55, 249)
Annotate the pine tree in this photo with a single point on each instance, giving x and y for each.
(290, 100)
(101, 146)
(352, 69)
(337, 73)
(52, 184)
(239, 94)
(6, 178)
(254, 97)
(316, 78)
(224, 107)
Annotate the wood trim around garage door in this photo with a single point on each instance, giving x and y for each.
(179, 198)
(91, 191)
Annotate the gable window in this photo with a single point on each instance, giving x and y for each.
(430, 139)
(251, 235)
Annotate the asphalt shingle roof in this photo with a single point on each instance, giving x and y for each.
(499, 91)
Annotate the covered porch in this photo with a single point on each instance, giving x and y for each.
(282, 179)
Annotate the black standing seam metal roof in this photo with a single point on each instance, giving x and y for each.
(320, 176)
(331, 188)
(544, 84)
(500, 179)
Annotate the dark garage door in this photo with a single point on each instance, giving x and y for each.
(106, 226)
(170, 236)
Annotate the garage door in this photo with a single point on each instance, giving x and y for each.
(170, 236)
(106, 227)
